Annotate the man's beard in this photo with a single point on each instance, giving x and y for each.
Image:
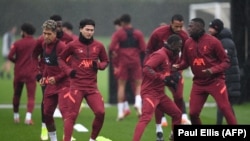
(196, 36)
(59, 34)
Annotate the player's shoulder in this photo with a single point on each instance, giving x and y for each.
(162, 28)
(40, 38)
(158, 55)
(74, 43)
(98, 43)
(183, 34)
(210, 38)
(138, 31)
(160, 52)
(161, 31)
(19, 41)
(119, 31)
(67, 37)
(189, 41)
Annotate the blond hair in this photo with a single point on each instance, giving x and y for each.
(50, 25)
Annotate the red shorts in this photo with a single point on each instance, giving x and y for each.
(129, 70)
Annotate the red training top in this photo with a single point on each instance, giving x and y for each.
(20, 54)
(207, 53)
(82, 61)
(160, 35)
(128, 54)
(155, 69)
(53, 70)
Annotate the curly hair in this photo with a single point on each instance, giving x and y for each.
(50, 24)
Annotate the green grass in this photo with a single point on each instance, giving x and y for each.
(117, 131)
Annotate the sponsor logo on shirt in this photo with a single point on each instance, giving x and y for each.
(198, 62)
(86, 63)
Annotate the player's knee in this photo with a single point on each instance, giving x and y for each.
(73, 115)
(48, 113)
(100, 114)
(193, 114)
(177, 114)
(178, 100)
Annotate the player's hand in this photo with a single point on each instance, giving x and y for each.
(207, 71)
(94, 64)
(170, 82)
(175, 67)
(42, 81)
(72, 74)
(51, 80)
(113, 54)
(38, 77)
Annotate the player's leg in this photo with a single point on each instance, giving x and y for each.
(69, 105)
(122, 77)
(138, 100)
(50, 104)
(96, 103)
(31, 88)
(8, 67)
(136, 74)
(219, 116)
(44, 132)
(198, 98)
(124, 106)
(148, 108)
(219, 93)
(3, 67)
(179, 100)
(18, 87)
(169, 107)
(158, 119)
(121, 84)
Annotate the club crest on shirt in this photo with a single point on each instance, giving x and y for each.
(94, 49)
(205, 48)
(80, 51)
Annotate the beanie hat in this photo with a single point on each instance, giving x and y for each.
(217, 24)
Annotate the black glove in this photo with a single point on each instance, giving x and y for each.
(94, 64)
(176, 76)
(38, 77)
(169, 81)
(72, 74)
